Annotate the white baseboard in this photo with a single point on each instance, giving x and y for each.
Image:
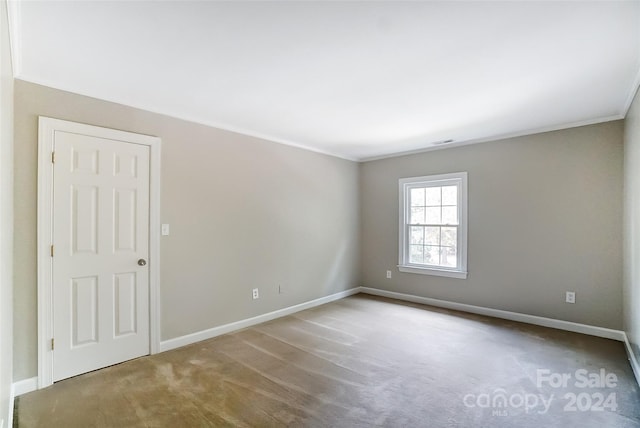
(228, 328)
(23, 386)
(497, 313)
(31, 384)
(17, 389)
(632, 359)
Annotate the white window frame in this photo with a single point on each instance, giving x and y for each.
(405, 184)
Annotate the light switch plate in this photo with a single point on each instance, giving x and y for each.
(165, 229)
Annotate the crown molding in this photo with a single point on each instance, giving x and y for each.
(187, 118)
(498, 137)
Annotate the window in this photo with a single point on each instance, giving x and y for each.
(433, 225)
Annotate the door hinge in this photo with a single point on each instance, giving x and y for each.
(52, 251)
(53, 157)
(52, 343)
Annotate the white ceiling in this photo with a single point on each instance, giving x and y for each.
(354, 79)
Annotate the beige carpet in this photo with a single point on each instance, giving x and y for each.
(357, 362)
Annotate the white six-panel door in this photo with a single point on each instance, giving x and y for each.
(100, 235)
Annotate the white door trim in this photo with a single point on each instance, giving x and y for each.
(46, 130)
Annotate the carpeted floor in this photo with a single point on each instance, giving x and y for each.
(358, 362)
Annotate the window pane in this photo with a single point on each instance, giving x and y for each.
(433, 196)
(417, 235)
(449, 215)
(433, 215)
(432, 255)
(450, 195)
(449, 257)
(449, 236)
(417, 216)
(432, 235)
(417, 197)
(415, 254)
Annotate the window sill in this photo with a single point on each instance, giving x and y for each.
(431, 271)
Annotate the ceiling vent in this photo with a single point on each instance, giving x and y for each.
(442, 142)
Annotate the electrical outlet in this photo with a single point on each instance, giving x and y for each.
(388, 274)
(570, 297)
(256, 295)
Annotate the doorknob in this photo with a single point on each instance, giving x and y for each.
(142, 262)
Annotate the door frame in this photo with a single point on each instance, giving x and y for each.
(46, 132)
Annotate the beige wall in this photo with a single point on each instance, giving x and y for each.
(6, 217)
(545, 216)
(632, 225)
(244, 213)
